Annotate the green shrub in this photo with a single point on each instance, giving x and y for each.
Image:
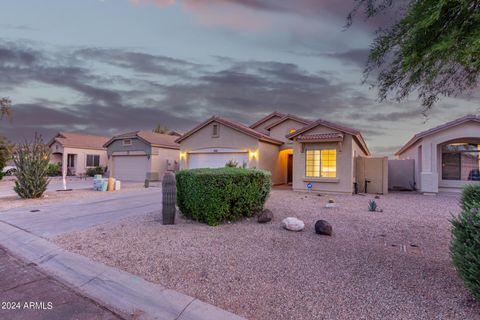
(53, 170)
(2, 174)
(31, 160)
(465, 245)
(223, 194)
(470, 195)
(93, 171)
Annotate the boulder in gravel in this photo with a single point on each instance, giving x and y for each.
(293, 224)
(323, 227)
(265, 216)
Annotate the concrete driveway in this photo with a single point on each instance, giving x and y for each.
(67, 216)
(6, 186)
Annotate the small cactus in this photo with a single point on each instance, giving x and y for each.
(372, 205)
(169, 198)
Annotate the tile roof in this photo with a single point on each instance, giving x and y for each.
(268, 117)
(286, 117)
(232, 124)
(420, 135)
(155, 139)
(327, 136)
(78, 140)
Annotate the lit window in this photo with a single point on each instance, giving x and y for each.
(127, 142)
(292, 131)
(93, 160)
(321, 163)
(215, 130)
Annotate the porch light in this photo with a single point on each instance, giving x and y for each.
(183, 155)
(252, 154)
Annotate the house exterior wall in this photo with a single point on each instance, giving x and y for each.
(81, 158)
(159, 161)
(343, 183)
(429, 172)
(280, 131)
(228, 140)
(137, 145)
(269, 160)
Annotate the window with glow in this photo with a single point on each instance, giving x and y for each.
(321, 163)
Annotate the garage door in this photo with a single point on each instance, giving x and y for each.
(215, 160)
(130, 168)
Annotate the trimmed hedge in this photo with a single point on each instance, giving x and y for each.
(465, 245)
(224, 194)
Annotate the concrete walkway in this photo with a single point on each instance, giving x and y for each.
(129, 295)
(67, 216)
(30, 294)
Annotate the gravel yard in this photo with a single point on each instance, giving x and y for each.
(378, 265)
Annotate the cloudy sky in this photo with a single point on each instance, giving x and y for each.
(111, 66)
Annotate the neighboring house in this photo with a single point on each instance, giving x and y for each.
(317, 155)
(78, 152)
(141, 155)
(446, 157)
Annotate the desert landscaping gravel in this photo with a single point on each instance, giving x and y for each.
(393, 264)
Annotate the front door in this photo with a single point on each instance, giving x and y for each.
(290, 169)
(71, 164)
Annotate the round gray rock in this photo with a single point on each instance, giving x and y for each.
(323, 227)
(265, 216)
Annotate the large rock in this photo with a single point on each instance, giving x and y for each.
(293, 224)
(323, 227)
(265, 216)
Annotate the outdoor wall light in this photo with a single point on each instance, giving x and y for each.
(253, 154)
(183, 155)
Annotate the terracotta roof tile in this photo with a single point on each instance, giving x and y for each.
(78, 140)
(327, 136)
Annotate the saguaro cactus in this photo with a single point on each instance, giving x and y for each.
(169, 199)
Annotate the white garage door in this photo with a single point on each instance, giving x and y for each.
(215, 160)
(130, 168)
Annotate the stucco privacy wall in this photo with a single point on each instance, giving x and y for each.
(343, 183)
(228, 138)
(429, 164)
(81, 158)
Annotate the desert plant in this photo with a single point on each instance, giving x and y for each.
(465, 245)
(331, 201)
(5, 152)
(91, 172)
(223, 194)
(31, 160)
(53, 170)
(169, 198)
(470, 196)
(372, 205)
(231, 164)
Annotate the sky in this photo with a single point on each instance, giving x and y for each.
(113, 66)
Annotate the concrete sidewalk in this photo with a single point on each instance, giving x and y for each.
(123, 292)
(30, 294)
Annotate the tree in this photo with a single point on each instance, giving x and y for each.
(161, 129)
(5, 108)
(432, 50)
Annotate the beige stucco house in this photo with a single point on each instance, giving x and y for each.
(316, 155)
(446, 157)
(140, 155)
(77, 152)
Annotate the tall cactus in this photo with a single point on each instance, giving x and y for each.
(169, 199)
